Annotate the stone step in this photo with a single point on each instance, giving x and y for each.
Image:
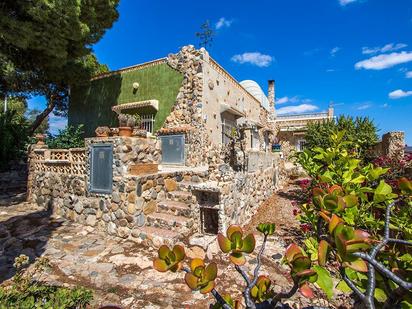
(172, 222)
(187, 185)
(174, 208)
(181, 196)
(158, 235)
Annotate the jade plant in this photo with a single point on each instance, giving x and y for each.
(259, 289)
(362, 223)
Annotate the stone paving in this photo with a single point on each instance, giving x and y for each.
(119, 271)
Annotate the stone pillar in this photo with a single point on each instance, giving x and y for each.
(271, 97)
(393, 144)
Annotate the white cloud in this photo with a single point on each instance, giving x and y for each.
(223, 22)
(56, 123)
(334, 50)
(364, 106)
(255, 58)
(408, 74)
(397, 94)
(346, 2)
(385, 61)
(287, 99)
(297, 109)
(383, 49)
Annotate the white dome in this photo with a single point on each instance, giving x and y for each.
(254, 89)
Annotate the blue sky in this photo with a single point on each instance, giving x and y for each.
(356, 53)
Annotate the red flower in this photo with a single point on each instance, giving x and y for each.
(305, 227)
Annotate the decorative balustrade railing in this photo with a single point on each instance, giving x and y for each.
(62, 161)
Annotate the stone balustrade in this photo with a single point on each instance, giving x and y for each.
(61, 161)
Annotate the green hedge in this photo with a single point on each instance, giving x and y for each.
(90, 104)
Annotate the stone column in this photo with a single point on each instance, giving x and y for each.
(393, 144)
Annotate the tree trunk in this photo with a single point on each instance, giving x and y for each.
(39, 119)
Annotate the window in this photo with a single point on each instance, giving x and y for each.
(255, 142)
(101, 168)
(227, 130)
(301, 145)
(173, 149)
(147, 122)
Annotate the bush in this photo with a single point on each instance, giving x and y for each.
(13, 137)
(28, 293)
(360, 132)
(70, 137)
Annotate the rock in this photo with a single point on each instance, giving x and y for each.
(139, 203)
(131, 198)
(119, 214)
(123, 222)
(116, 197)
(127, 301)
(195, 252)
(101, 267)
(140, 220)
(78, 208)
(170, 185)
(106, 218)
(123, 232)
(111, 228)
(147, 185)
(131, 208)
(114, 206)
(149, 207)
(91, 220)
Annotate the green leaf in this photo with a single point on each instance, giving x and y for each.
(380, 295)
(324, 280)
(381, 192)
(342, 286)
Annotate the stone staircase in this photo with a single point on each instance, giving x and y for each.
(174, 218)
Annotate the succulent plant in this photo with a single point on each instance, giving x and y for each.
(123, 120)
(201, 278)
(347, 241)
(169, 259)
(266, 229)
(334, 199)
(236, 244)
(262, 291)
(300, 266)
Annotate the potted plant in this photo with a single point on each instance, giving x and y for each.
(124, 128)
(102, 131)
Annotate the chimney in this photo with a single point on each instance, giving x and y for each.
(330, 110)
(271, 96)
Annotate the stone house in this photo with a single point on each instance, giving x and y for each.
(205, 163)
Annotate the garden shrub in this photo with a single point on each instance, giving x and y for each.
(13, 137)
(70, 137)
(27, 293)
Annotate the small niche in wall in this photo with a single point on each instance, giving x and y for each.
(209, 218)
(209, 210)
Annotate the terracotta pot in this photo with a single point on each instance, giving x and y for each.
(125, 131)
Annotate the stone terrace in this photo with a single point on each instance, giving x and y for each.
(119, 271)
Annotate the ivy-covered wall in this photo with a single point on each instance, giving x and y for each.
(91, 103)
